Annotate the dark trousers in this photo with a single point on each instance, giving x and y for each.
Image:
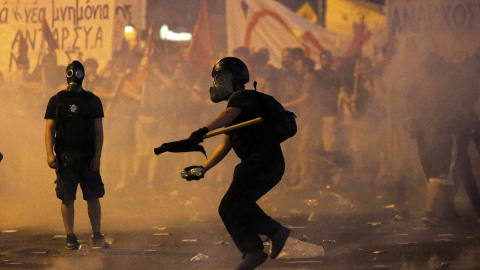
(242, 217)
(462, 169)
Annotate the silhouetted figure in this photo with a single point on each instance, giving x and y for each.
(431, 126)
(466, 126)
(74, 131)
(261, 167)
(325, 97)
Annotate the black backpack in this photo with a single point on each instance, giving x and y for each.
(280, 123)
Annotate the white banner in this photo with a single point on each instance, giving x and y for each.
(128, 13)
(81, 28)
(268, 24)
(133, 12)
(450, 28)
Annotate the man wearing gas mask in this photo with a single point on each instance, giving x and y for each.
(74, 140)
(261, 168)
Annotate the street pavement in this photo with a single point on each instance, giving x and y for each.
(369, 231)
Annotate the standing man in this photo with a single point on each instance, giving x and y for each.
(261, 167)
(74, 131)
(326, 99)
(431, 126)
(466, 126)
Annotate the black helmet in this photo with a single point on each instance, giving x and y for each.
(235, 66)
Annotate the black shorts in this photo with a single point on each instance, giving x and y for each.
(435, 151)
(70, 175)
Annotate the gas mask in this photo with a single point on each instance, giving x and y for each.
(75, 74)
(222, 87)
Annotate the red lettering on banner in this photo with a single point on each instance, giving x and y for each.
(256, 19)
(359, 39)
(311, 38)
(307, 36)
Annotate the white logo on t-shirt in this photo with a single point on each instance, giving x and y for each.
(73, 108)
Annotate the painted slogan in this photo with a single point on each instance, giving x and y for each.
(451, 27)
(72, 29)
(128, 12)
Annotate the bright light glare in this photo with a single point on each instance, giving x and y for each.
(166, 34)
(163, 31)
(129, 29)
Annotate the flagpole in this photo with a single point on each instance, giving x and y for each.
(142, 102)
(232, 128)
(321, 12)
(116, 92)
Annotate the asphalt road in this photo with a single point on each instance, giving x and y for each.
(374, 233)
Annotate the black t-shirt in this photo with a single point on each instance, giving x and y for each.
(362, 96)
(326, 93)
(75, 130)
(290, 88)
(251, 142)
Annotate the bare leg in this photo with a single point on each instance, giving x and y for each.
(68, 214)
(95, 214)
(432, 197)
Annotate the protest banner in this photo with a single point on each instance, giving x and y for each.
(81, 29)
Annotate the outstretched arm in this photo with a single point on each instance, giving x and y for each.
(220, 152)
(298, 101)
(224, 118)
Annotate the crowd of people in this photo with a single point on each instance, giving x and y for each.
(329, 95)
(443, 121)
(348, 123)
(334, 99)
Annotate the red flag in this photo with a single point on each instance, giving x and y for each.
(137, 80)
(362, 34)
(149, 48)
(48, 36)
(200, 50)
